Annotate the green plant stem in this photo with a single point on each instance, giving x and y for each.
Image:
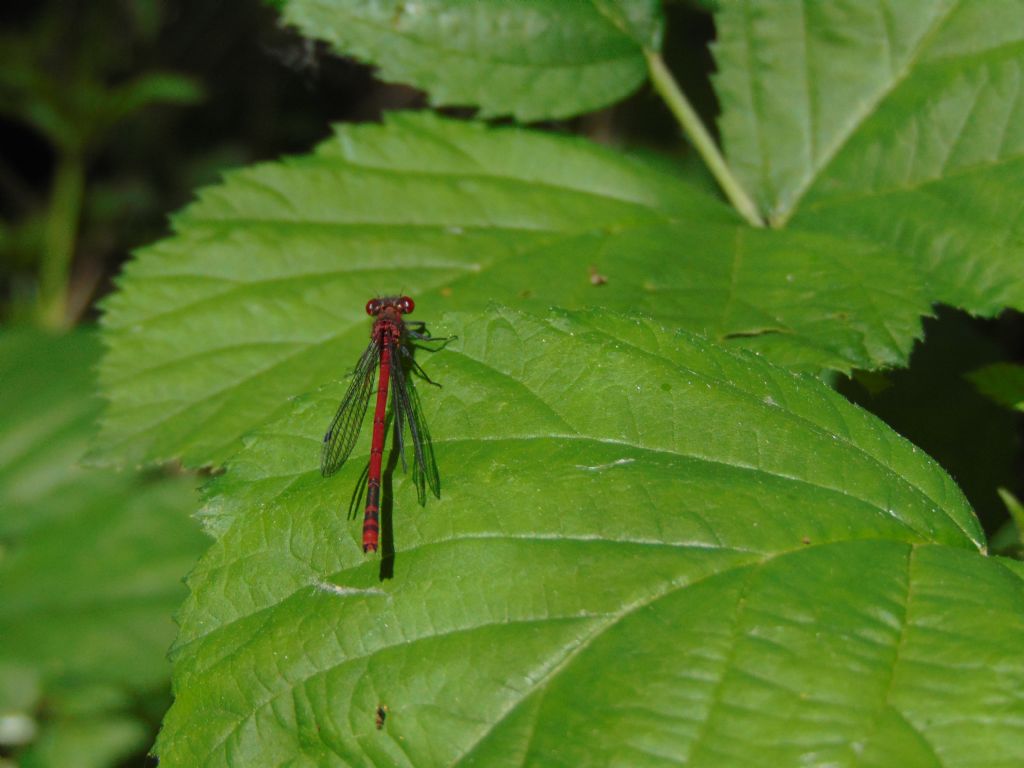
(701, 139)
(59, 244)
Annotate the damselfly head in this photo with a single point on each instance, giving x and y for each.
(403, 304)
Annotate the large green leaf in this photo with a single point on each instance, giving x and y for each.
(893, 123)
(90, 563)
(648, 551)
(532, 59)
(259, 296)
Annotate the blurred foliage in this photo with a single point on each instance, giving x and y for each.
(90, 568)
(1002, 382)
(1008, 540)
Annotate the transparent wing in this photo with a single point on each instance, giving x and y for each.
(406, 405)
(344, 430)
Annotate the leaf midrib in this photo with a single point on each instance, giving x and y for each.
(859, 117)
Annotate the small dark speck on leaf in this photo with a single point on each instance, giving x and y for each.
(525, 294)
(596, 278)
(380, 715)
(805, 540)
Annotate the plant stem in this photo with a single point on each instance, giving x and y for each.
(701, 139)
(59, 240)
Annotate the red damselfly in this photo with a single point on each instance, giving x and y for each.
(391, 352)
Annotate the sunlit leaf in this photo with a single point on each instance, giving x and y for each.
(259, 296)
(670, 555)
(895, 124)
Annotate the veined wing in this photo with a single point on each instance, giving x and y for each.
(344, 430)
(407, 409)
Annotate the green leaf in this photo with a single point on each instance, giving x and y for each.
(531, 59)
(259, 296)
(90, 562)
(896, 124)
(648, 551)
(1002, 383)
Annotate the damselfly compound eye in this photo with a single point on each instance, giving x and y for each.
(406, 305)
(373, 307)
